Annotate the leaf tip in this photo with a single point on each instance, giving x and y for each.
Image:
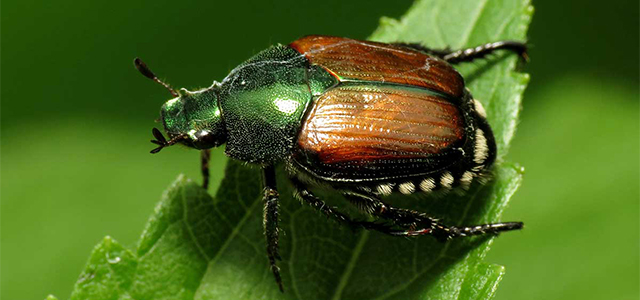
(182, 178)
(387, 21)
(108, 241)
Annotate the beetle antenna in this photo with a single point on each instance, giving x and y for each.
(162, 142)
(144, 70)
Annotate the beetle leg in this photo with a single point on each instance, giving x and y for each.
(470, 54)
(303, 193)
(364, 203)
(205, 156)
(405, 219)
(481, 51)
(444, 233)
(414, 223)
(421, 224)
(270, 221)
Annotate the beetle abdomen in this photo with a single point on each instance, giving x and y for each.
(377, 131)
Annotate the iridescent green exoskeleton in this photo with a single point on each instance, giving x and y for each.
(364, 118)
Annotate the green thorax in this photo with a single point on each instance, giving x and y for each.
(263, 102)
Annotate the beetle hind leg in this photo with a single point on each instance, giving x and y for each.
(397, 221)
(414, 223)
(417, 223)
(444, 233)
(303, 193)
(470, 54)
(495, 228)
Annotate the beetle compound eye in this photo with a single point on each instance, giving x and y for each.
(205, 139)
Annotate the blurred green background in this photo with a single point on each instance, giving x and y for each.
(76, 120)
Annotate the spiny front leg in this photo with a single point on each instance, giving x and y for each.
(270, 221)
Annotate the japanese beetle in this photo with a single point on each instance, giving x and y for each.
(364, 118)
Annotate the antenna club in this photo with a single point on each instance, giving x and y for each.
(144, 70)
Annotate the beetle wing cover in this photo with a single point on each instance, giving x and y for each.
(351, 59)
(377, 131)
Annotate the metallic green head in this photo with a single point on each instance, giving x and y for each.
(194, 119)
(190, 118)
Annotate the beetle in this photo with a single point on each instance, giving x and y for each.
(366, 119)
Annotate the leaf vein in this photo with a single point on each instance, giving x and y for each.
(344, 279)
(472, 24)
(183, 199)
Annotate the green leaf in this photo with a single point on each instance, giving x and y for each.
(196, 246)
(108, 272)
